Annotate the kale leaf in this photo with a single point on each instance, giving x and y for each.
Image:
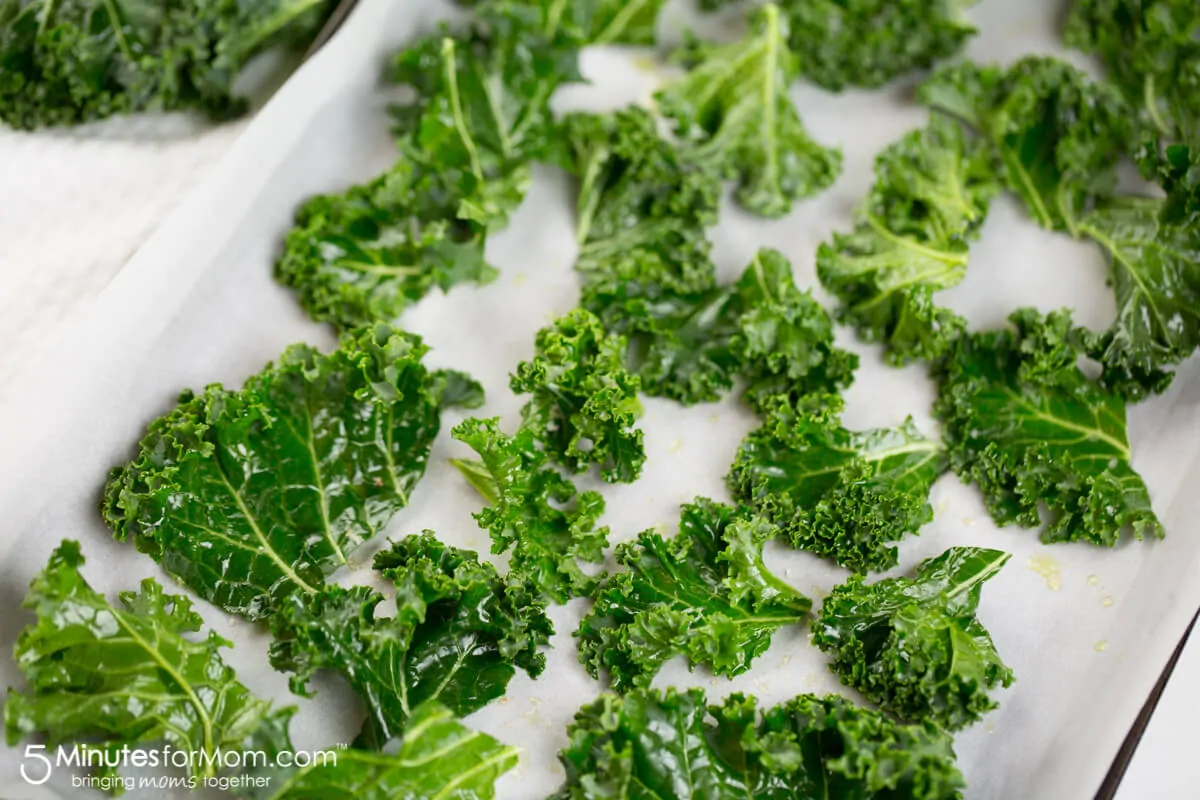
(705, 593)
(66, 63)
(1058, 133)
(913, 645)
(844, 495)
(438, 757)
(130, 673)
(867, 43)
(364, 255)
(533, 510)
(733, 111)
(671, 745)
(1179, 174)
(1023, 421)
(584, 401)
(587, 21)
(1155, 274)
(247, 496)
(458, 635)
(931, 195)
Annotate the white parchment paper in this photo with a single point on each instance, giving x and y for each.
(1086, 630)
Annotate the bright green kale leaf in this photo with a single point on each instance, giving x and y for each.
(1156, 277)
(438, 758)
(1059, 134)
(1023, 421)
(584, 401)
(457, 637)
(63, 63)
(482, 110)
(248, 496)
(364, 255)
(733, 109)
(845, 495)
(705, 593)
(130, 674)
(533, 510)
(1152, 51)
(586, 21)
(913, 645)
(671, 745)
(867, 43)
(932, 191)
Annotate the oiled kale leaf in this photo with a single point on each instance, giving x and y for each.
(867, 43)
(845, 495)
(913, 645)
(583, 404)
(63, 63)
(128, 674)
(704, 593)
(931, 195)
(586, 21)
(1022, 421)
(533, 510)
(248, 496)
(672, 745)
(733, 110)
(458, 635)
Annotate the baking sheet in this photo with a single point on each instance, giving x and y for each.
(1087, 631)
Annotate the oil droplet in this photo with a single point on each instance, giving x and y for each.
(645, 64)
(1049, 569)
(504, 700)
(968, 521)
(1093, 580)
(713, 419)
(1101, 646)
(785, 661)
(1107, 600)
(714, 682)
(941, 507)
(520, 278)
(674, 446)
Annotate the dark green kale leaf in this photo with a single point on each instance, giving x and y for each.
(1023, 421)
(248, 496)
(844, 495)
(913, 645)
(583, 404)
(438, 757)
(931, 195)
(482, 114)
(867, 43)
(458, 635)
(533, 510)
(733, 111)
(1179, 174)
(62, 63)
(1059, 134)
(1152, 51)
(366, 254)
(129, 674)
(1155, 274)
(705, 593)
(642, 207)
(586, 21)
(671, 745)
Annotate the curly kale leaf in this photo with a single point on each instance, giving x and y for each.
(705, 593)
(127, 674)
(733, 110)
(248, 496)
(1179, 174)
(62, 63)
(913, 645)
(867, 43)
(457, 637)
(1152, 51)
(1023, 421)
(584, 401)
(586, 21)
(671, 745)
(438, 757)
(931, 195)
(482, 110)
(533, 510)
(1155, 273)
(1058, 133)
(366, 254)
(844, 495)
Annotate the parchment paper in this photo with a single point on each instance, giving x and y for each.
(1086, 630)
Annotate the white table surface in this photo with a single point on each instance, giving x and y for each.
(74, 206)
